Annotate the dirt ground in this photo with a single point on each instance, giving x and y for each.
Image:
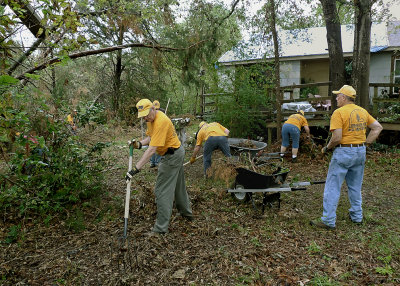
(228, 243)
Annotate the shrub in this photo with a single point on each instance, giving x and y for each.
(240, 112)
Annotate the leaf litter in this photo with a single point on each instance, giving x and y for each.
(225, 244)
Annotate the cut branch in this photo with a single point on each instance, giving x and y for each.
(102, 51)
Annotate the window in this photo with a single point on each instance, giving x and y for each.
(396, 78)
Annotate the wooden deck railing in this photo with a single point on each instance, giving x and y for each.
(320, 117)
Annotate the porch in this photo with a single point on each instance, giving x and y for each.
(385, 106)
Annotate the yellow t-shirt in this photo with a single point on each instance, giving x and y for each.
(297, 120)
(353, 120)
(212, 129)
(70, 119)
(162, 133)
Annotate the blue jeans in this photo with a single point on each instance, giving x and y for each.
(290, 131)
(155, 159)
(347, 163)
(213, 143)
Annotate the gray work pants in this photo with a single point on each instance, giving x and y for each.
(170, 186)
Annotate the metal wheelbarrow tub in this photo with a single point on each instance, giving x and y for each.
(237, 145)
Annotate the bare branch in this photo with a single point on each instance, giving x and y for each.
(23, 57)
(105, 50)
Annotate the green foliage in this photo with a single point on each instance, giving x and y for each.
(306, 90)
(13, 234)
(387, 269)
(240, 112)
(86, 113)
(314, 248)
(47, 170)
(323, 281)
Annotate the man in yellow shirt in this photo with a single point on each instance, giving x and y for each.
(170, 184)
(156, 158)
(291, 129)
(216, 137)
(348, 126)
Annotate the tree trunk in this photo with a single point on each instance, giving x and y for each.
(361, 52)
(278, 95)
(334, 39)
(118, 73)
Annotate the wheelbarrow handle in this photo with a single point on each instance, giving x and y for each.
(317, 182)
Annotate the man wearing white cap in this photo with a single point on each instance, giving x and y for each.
(170, 184)
(348, 126)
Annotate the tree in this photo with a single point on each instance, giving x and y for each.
(271, 20)
(361, 53)
(334, 39)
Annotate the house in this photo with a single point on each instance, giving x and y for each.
(305, 59)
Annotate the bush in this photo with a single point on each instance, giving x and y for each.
(45, 169)
(240, 113)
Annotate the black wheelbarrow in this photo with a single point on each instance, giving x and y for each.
(248, 182)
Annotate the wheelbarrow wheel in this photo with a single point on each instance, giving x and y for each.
(240, 196)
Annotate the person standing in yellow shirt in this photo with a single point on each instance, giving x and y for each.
(215, 137)
(170, 183)
(291, 129)
(348, 126)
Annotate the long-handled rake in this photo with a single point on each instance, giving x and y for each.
(127, 199)
(124, 254)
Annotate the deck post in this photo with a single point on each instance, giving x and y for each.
(269, 130)
(374, 103)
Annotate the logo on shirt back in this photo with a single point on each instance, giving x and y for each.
(295, 116)
(356, 121)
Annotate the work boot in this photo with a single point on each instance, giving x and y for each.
(356, 222)
(319, 223)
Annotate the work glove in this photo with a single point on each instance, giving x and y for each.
(192, 160)
(131, 173)
(136, 144)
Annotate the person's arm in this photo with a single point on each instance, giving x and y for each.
(145, 141)
(226, 132)
(195, 151)
(307, 129)
(335, 139)
(146, 156)
(376, 129)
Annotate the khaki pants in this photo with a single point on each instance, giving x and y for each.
(170, 186)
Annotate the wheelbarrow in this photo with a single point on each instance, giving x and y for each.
(248, 182)
(239, 145)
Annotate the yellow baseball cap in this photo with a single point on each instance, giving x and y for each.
(346, 90)
(144, 106)
(156, 104)
(202, 123)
